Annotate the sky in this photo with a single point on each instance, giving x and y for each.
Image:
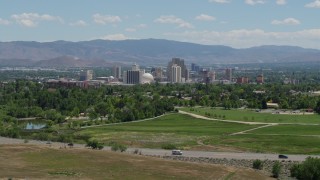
(235, 23)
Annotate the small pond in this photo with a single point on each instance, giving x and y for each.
(33, 125)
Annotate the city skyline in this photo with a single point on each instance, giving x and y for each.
(239, 24)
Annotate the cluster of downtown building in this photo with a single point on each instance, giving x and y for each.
(175, 72)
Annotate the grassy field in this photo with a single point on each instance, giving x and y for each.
(270, 143)
(250, 115)
(294, 130)
(186, 132)
(181, 130)
(36, 162)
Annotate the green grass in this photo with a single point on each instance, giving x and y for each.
(186, 132)
(178, 129)
(270, 143)
(250, 115)
(294, 130)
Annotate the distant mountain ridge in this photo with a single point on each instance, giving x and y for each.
(144, 52)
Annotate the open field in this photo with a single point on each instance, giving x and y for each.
(270, 143)
(293, 130)
(252, 116)
(181, 130)
(38, 162)
(187, 132)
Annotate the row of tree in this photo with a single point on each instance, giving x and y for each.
(23, 99)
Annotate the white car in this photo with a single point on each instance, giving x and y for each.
(176, 152)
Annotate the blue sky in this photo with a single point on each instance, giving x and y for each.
(236, 23)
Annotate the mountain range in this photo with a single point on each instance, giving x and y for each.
(144, 52)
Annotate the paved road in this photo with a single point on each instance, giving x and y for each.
(161, 152)
(222, 155)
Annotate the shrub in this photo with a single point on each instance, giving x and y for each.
(136, 151)
(309, 169)
(257, 164)
(276, 169)
(118, 147)
(94, 144)
(295, 170)
(168, 146)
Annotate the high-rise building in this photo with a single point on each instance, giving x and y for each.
(212, 76)
(178, 62)
(243, 80)
(86, 75)
(195, 67)
(157, 73)
(229, 74)
(133, 76)
(135, 67)
(117, 72)
(176, 74)
(260, 79)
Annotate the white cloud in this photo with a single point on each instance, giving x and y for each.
(315, 4)
(220, 1)
(33, 19)
(80, 23)
(243, 38)
(173, 20)
(105, 19)
(204, 17)
(4, 22)
(115, 37)
(131, 29)
(288, 21)
(141, 26)
(281, 2)
(254, 2)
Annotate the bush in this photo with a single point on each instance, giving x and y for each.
(295, 170)
(257, 164)
(168, 146)
(94, 144)
(276, 169)
(136, 151)
(118, 147)
(309, 169)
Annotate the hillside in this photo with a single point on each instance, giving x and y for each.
(146, 51)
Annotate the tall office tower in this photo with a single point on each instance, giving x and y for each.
(157, 73)
(135, 67)
(229, 74)
(176, 74)
(117, 72)
(133, 76)
(260, 79)
(178, 62)
(212, 76)
(195, 67)
(86, 75)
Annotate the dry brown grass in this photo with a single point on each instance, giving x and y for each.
(39, 162)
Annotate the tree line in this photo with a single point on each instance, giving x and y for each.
(24, 99)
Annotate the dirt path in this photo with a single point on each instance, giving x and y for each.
(243, 132)
(231, 121)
